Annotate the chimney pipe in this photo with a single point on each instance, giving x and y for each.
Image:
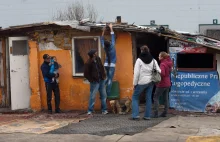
(118, 18)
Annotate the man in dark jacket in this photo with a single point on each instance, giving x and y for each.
(94, 72)
(50, 85)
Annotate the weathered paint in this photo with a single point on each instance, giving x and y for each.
(35, 99)
(3, 90)
(19, 74)
(124, 66)
(74, 92)
(48, 46)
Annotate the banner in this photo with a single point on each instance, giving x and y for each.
(194, 91)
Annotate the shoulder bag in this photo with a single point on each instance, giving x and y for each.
(156, 77)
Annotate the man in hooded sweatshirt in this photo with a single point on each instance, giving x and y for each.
(110, 60)
(164, 86)
(143, 80)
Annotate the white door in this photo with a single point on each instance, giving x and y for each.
(19, 73)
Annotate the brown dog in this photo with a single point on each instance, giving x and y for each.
(122, 106)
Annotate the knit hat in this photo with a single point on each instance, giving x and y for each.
(92, 52)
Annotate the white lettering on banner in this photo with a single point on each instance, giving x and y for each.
(194, 76)
(191, 84)
(179, 92)
(199, 92)
(213, 76)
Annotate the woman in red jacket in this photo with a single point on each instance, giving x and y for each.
(164, 86)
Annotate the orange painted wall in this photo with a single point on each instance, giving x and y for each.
(124, 66)
(74, 93)
(35, 100)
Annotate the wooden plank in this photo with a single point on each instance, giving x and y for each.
(134, 48)
(213, 47)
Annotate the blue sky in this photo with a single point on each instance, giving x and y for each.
(15, 12)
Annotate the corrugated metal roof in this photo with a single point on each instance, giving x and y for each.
(86, 25)
(72, 24)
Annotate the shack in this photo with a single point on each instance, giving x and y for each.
(22, 48)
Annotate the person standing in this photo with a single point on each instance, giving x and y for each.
(143, 80)
(94, 72)
(50, 85)
(164, 86)
(110, 60)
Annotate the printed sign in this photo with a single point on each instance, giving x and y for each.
(193, 91)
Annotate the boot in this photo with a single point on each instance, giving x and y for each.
(155, 114)
(164, 114)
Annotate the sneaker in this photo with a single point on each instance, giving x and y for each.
(135, 119)
(146, 118)
(58, 111)
(89, 113)
(105, 112)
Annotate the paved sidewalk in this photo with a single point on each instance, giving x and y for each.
(37, 123)
(175, 129)
(178, 129)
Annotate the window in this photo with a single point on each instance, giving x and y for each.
(193, 61)
(81, 46)
(19, 47)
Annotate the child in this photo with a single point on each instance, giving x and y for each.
(54, 68)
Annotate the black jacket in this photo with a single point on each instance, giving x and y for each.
(93, 73)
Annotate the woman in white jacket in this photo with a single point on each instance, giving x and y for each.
(142, 80)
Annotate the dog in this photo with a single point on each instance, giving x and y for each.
(122, 106)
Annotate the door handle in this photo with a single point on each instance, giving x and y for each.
(11, 50)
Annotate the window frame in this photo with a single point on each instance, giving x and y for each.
(199, 69)
(74, 74)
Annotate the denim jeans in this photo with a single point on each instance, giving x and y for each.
(135, 100)
(94, 88)
(158, 92)
(110, 71)
(53, 87)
